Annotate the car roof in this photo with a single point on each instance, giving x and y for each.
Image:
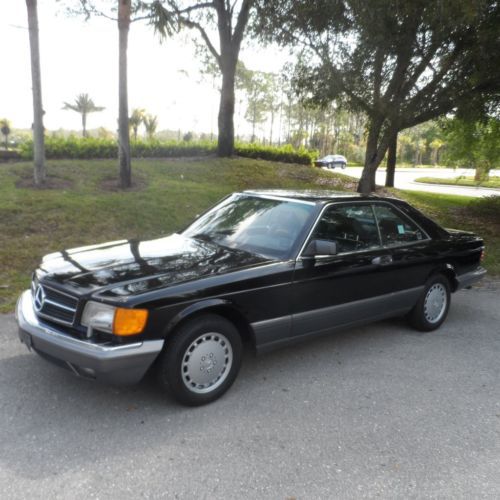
(315, 196)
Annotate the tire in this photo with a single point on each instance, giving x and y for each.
(201, 360)
(343, 166)
(431, 309)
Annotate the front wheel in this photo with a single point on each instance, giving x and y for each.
(432, 307)
(201, 360)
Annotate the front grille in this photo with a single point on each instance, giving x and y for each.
(54, 305)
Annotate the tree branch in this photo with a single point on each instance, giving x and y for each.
(194, 25)
(242, 22)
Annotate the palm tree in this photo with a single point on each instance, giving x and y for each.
(36, 79)
(84, 105)
(124, 14)
(136, 119)
(5, 129)
(150, 123)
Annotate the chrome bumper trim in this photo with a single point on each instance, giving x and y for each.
(468, 279)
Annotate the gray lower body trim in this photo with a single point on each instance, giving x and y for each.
(468, 279)
(272, 330)
(116, 364)
(373, 308)
(333, 318)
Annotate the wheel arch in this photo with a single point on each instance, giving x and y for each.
(224, 308)
(449, 271)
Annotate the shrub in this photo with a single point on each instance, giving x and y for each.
(286, 154)
(74, 148)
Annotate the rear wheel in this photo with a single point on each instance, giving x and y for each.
(201, 360)
(432, 307)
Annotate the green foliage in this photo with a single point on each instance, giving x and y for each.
(150, 124)
(84, 105)
(77, 148)
(474, 144)
(421, 145)
(136, 119)
(5, 129)
(90, 147)
(286, 154)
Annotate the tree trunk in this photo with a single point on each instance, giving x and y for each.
(391, 161)
(36, 79)
(376, 146)
(225, 142)
(84, 124)
(123, 127)
(280, 120)
(271, 131)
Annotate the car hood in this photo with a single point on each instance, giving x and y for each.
(131, 267)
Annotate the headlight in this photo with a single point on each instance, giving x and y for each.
(99, 316)
(117, 320)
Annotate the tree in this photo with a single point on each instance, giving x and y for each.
(36, 79)
(473, 144)
(123, 14)
(436, 146)
(230, 23)
(84, 105)
(150, 124)
(401, 62)
(5, 129)
(124, 19)
(136, 119)
(256, 87)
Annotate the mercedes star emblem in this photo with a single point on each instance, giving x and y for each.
(39, 298)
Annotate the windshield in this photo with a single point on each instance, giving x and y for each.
(270, 227)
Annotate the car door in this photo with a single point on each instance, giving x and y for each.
(355, 285)
(410, 248)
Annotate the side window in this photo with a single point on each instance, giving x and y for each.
(395, 227)
(352, 227)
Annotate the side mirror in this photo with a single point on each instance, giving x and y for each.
(316, 248)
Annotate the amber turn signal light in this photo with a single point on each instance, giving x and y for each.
(129, 321)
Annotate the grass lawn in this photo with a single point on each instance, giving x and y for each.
(85, 209)
(493, 182)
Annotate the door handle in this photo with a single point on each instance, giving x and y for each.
(382, 260)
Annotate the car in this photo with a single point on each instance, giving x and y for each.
(262, 269)
(332, 161)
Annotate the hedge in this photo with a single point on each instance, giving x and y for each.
(92, 148)
(285, 153)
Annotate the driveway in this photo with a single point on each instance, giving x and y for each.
(405, 179)
(375, 412)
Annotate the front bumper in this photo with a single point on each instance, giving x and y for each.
(122, 364)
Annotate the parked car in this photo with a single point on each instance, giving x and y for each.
(265, 267)
(332, 161)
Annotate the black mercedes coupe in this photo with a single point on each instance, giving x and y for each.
(264, 268)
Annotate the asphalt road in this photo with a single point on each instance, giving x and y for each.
(374, 412)
(405, 179)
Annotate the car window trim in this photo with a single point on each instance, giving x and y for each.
(316, 222)
(381, 202)
(277, 198)
(381, 247)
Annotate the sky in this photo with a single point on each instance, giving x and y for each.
(79, 56)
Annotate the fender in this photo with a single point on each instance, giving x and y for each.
(449, 271)
(193, 309)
